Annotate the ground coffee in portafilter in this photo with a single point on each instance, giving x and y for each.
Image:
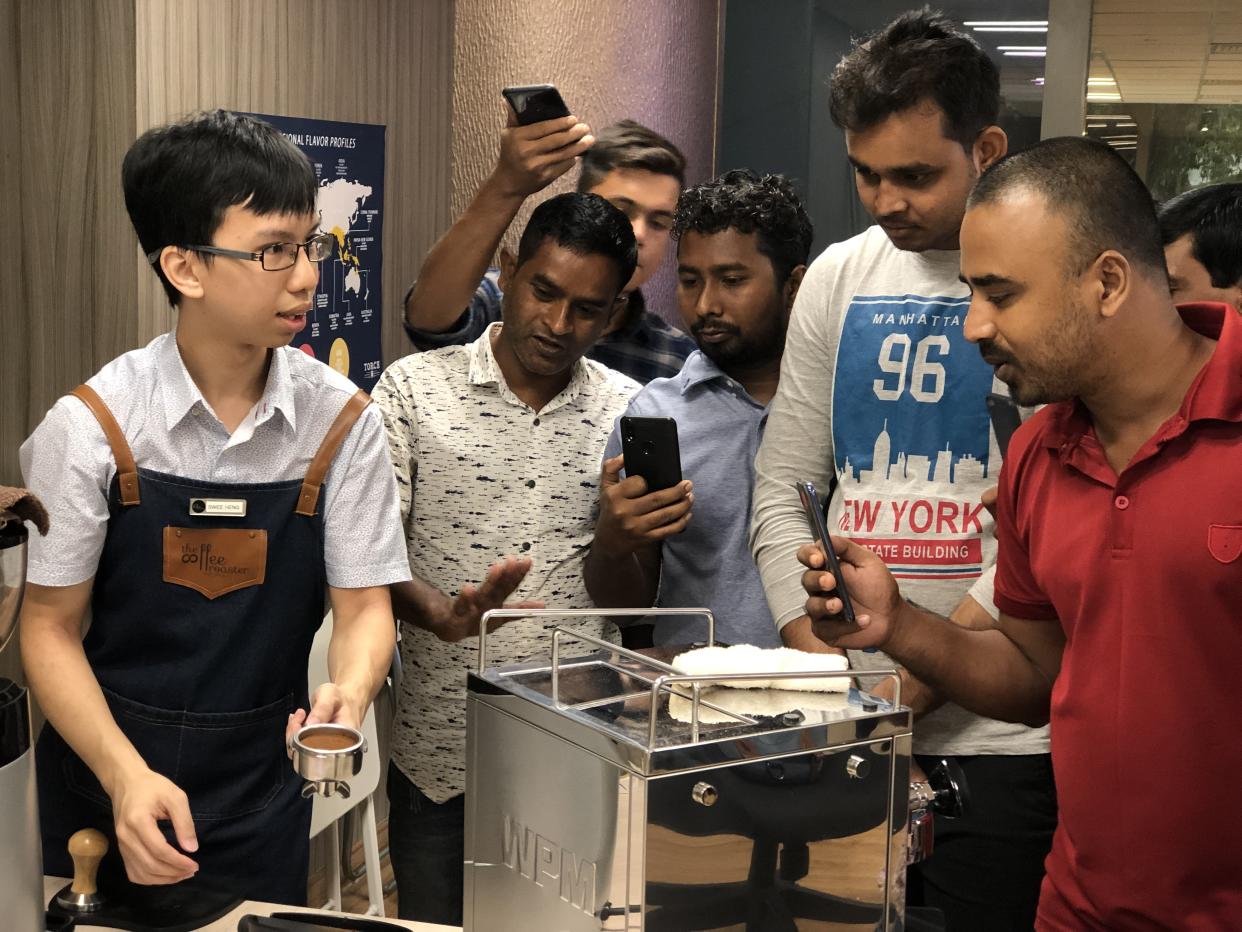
(328, 741)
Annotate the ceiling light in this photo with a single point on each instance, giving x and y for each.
(1120, 125)
(1101, 82)
(1022, 48)
(1006, 22)
(1024, 54)
(1038, 81)
(1109, 116)
(1097, 126)
(1101, 95)
(1010, 28)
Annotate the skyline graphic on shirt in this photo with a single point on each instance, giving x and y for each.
(900, 464)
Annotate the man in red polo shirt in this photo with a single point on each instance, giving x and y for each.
(1119, 576)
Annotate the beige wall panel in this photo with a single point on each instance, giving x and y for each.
(367, 61)
(71, 72)
(650, 60)
(14, 373)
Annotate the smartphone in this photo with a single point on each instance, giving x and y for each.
(651, 450)
(535, 103)
(814, 510)
(1006, 418)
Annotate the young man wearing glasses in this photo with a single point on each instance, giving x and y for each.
(203, 492)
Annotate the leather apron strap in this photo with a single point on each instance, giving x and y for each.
(126, 468)
(308, 500)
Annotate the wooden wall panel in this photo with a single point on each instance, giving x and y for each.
(14, 340)
(69, 120)
(368, 61)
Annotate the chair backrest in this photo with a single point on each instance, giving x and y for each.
(325, 811)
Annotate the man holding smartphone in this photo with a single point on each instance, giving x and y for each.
(881, 395)
(635, 169)
(1120, 526)
(742, 247)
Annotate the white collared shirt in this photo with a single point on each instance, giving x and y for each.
(482, 475)
(171, 429)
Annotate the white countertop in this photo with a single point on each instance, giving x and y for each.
(228, 923)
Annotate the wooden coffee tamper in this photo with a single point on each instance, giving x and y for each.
(87, 848)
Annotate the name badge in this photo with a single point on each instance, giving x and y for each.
(218, 507)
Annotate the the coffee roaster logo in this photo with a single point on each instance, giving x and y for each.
(201, 555)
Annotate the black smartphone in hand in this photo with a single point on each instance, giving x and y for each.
(1006, 419)
(814, 510)
(535, 103)
(651, 451)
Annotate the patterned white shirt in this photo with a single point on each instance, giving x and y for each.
(171, 429)
(481, 475)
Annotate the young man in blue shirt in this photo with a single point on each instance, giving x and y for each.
(742, 247)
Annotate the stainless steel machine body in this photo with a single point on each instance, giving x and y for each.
(589, 806)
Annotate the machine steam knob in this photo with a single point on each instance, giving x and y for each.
(87, 848)
(704, 794)
(857, 766)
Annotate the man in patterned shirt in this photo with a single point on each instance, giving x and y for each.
(496, 446)
(636, 170)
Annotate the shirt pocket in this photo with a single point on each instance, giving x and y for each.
(1225, 542)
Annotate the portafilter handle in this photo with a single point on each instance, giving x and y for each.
(87, 848)
(948, 783)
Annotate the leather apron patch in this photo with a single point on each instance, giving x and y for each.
(214, 561)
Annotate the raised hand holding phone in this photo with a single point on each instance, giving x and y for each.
(535, 103)
(540, 143)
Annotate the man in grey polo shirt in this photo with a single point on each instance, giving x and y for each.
(743, 243)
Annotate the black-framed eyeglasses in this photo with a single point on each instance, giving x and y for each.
(274, 258)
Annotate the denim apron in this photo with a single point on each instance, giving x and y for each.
(204, 606)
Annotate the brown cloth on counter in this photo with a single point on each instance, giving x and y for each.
(25, 504)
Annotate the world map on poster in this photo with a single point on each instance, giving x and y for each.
(343, 329)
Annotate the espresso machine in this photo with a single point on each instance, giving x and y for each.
(21, 858)
(606, 790)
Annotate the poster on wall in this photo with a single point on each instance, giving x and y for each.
(343, 329)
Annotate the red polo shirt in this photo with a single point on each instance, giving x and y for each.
(1143, 572)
